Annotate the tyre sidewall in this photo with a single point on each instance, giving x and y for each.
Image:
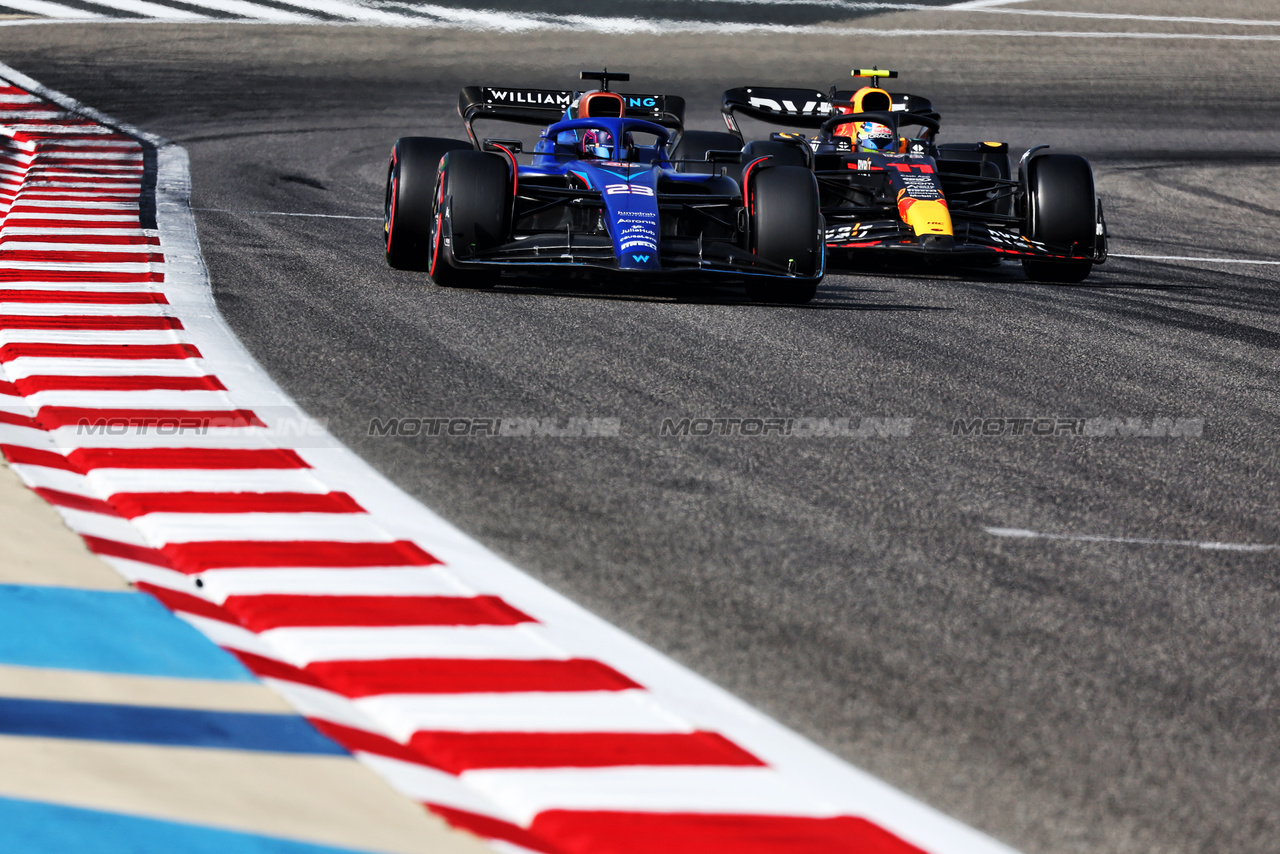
(785, 225)
(410, 198)
(1062, 204)
(470, 213)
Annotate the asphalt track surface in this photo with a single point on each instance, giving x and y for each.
(1063, 696)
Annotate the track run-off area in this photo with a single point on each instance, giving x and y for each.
(1063, 639)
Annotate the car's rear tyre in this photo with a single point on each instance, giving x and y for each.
(472, 206)
(781, 154)
(1062, 212)
(694, 145)
(410, 198)
(785, 228)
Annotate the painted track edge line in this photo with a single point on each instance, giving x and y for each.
(187, 285)
(1206, 545)
(1198, 260)
(657, 27)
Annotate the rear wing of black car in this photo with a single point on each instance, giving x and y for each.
(801, 108)
(547, 106)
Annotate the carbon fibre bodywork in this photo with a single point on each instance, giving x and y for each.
(626, 208)
(959, 202)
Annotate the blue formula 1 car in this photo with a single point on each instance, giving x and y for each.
(605, 194)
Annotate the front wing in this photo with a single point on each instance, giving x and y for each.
(874, 232)
(687, 254)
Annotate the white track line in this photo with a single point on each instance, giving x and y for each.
(152, 10)
(981, 5)
(164, 528)
(582, 711)
(1201, 260)
(438, 17)
(283, 213)
(52, 10)
(356, 12)
(1207, 545)
(710, 790)
(253, 11)
(1117, 16)
(217, 586)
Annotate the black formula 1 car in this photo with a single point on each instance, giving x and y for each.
(887, 191)
(601, 196)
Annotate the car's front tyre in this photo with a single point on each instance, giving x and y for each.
(1062, 212)
(471, 214)
(410, 198)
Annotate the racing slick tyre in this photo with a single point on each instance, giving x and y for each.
(410, 201)
(473, 199)
(782, 154)
(785, 228)
(1062, 210)
(694, 145)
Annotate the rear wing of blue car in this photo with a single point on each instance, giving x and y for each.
(547, 106)
(800, 108)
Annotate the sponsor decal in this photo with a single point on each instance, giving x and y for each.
(624, 189)
(846, 232)
(528, 97)
(920, 168)
(810, 108)
(640, 259)
(1012, 239)
(639, 244)
(921, 186)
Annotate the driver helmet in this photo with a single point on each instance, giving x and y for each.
(873, 136)
(596, 144)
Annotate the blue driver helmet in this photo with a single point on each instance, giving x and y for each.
(597, 144)
(873, 136)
